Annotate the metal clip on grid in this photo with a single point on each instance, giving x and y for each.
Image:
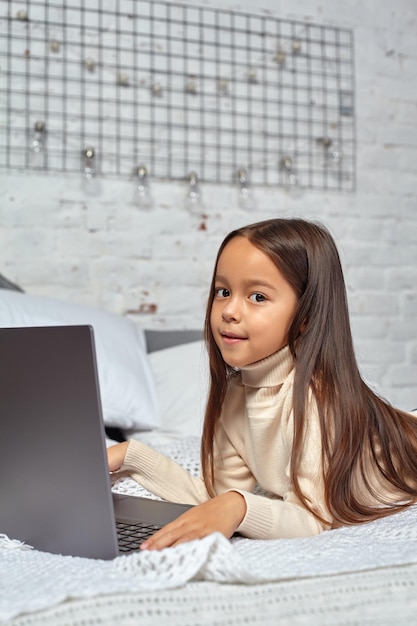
(143, 192)
(332, 154)
(193, 196)
(286, 164)
(245, 197)
(39, 137)
(89, 163)
(90, 180)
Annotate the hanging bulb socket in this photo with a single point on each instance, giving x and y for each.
(286, 164)
(143, 192)
(245, 197)
(39, 137)
(89, 163)
(193, 196)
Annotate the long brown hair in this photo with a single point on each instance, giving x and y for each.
(358, 428)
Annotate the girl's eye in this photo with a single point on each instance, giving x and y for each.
(257, 297)
(222, 293)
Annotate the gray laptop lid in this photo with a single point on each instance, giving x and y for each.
(54, 482)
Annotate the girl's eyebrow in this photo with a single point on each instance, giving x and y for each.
(249, 282)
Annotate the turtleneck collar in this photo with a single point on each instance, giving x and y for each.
(268, 372)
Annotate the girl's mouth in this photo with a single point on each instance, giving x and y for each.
(230, 339)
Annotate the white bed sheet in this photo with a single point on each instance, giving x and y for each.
(361, 575)
(380, 597)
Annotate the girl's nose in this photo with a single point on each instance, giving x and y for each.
(231, 312)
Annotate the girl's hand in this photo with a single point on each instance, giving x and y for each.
(222, 514)
(116, 455)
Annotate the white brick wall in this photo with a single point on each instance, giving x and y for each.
(154, 266)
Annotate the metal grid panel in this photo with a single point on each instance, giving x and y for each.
(177, 88)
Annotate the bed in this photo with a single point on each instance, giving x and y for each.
(153, 386)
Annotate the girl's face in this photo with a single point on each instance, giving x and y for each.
(253, 305)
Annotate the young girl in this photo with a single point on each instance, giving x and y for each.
(287, 410)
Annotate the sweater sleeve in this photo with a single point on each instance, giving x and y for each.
(167, 479)
(163, 476)
(267, 518)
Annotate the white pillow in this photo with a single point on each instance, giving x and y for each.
(126, 383)
(181, 376)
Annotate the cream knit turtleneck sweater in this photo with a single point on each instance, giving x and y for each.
(252, 447)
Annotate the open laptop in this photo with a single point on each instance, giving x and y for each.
(55, 491)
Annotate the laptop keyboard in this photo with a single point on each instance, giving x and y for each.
(130, 536)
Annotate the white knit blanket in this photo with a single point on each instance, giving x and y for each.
(31, 580)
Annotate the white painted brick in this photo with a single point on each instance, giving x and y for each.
(96, 217)
(406, 230)
(384, 180)
(404, 398)
(403, 155)
(408, 209)
(34, 243)
(113, 301)
(373, 303)
(33, 276)
(373, 101)
(377, 351)
(362, 205)
(364, 278)
(404, 376)
(403, 87)
(192, 320)
(403, 278)
(405, 16)
(407, 252)
(369, 327)
(403, 329)
(373, 373)
(191, 245)
(371, 255)
(404, 135)
(365, 230)
(405, 111)
(410, 304)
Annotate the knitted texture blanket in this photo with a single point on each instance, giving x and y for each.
(31, 580)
